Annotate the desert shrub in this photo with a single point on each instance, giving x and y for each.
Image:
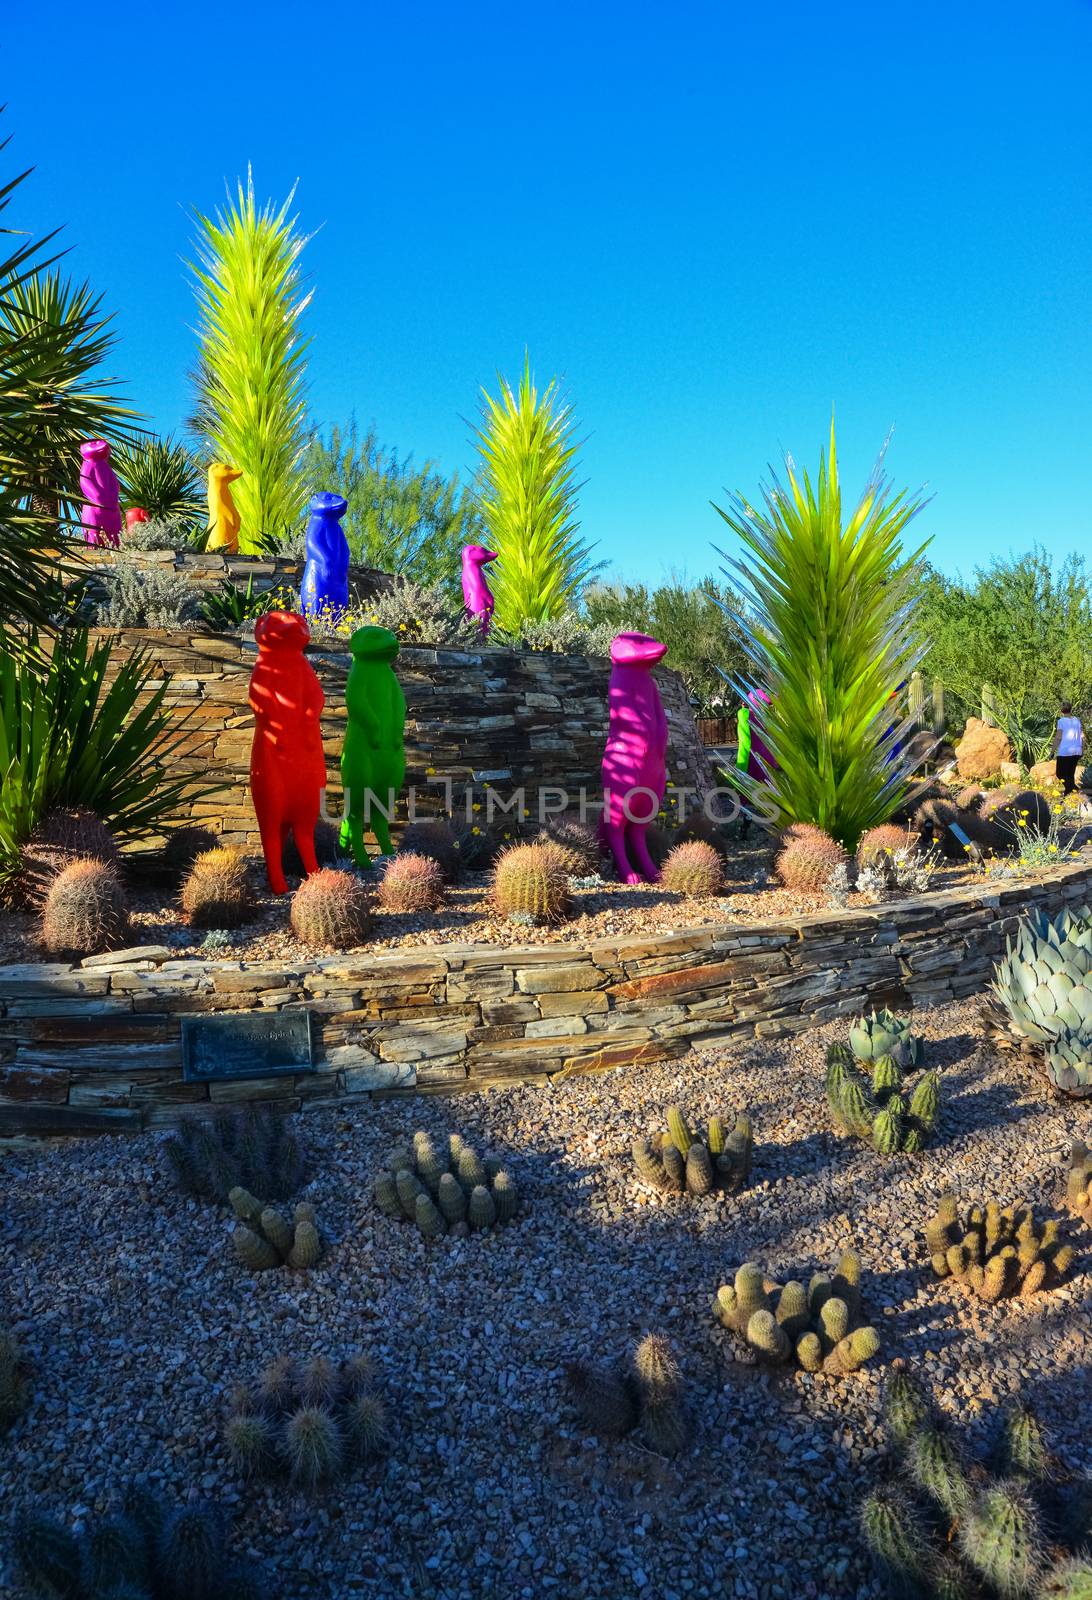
(821, 1327)
(85, 910)
(216, 893)
(445, 1189)
(257, 1150)
(646, 1391)
(478, 846)
(311, 1424)
(678, 1162)
(568, 633)
(140, 596)
(530, 880)
(694, 869)
(412, 883)
(415, 614)
(331, 910)
(68, 834)
(227, 607)
(162, 533)
(808, 858)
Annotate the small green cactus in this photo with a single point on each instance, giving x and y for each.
(904, 1406)
(428, 1219)
(505, 1196)
(699, 1169)
(1024, 1446)
(1001, 1538)
(481, 1212)
(606, 1400)
(679, 1161)
(996, 1252)
(893, 1536)
(934, 1463)
(822, 1329)
(681, 1137)
(313, 1446)
(1078, 1190)
(449, 1190)
(14, 1388)
(310, 1423)
(265, 1238)
(659, 1388)
(451, 1198)
(882, 1114)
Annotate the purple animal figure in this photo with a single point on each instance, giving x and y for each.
(326, 571)
(476, 592)
(101, 513)
(634, 764)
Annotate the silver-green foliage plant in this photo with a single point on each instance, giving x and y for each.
(163, 532)
(820, 1328)
(527, 498)
(265, 1238)
(678, 1161)
(831, 597)
(310, 1423)
(881, 1110)
(645, 1392)
(142, 1550)
(445, 1188)
(1042, 989)
(567, 633)
(947, 1525)
(142, 596)
(251, 407)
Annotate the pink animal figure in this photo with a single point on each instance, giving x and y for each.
(287, 765)
(761, 762)
(101, 513)
(634, 765)
(476, 592)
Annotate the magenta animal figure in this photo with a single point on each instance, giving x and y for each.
(634, 761)
(760, 763)
(101, 513)
(476, 591)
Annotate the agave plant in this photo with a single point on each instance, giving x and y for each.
(831, 639)
(527, 498)
(250, 377)
(66, 739)
(161, 476)
(1043, 990)
(882, 1033)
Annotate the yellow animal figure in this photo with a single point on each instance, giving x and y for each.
(223, 517)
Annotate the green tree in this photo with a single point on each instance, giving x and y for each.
(527, 496)
(251, 361)
(402, 517)
(702, 625)
(1022, 625)
(833, 633)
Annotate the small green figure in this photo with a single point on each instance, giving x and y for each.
(373, 760)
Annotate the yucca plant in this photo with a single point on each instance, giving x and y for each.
(68, 739)
(162, 476)
(250, 377)
(527, 497)
(831, 639)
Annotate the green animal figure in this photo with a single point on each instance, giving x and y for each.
(373, 760)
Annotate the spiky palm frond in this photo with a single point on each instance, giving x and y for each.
(831, 640)
(161, 475)
(251, 408)
(527, 497)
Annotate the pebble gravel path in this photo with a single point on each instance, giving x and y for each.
(138, 1321)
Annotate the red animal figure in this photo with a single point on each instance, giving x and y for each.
(287, 765)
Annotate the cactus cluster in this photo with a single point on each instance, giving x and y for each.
(878, 847)
(64, 835)
(85, 910)
(445, 1188)
(996, 1251)
(14, 1388)
(256, 1149)
(678, 1161)
(142, 1551)
(216, 890)
(695, 869)
(1078, 1189)
(882, 1033)
(820, 1327)
(331, 910)
(308, 1423)
(531, 880)
(880, 1111)
(808, 858)
(644, 1392)
(951, 1526)
(264, 1238)
(576, 843)
(435, 838)
(412, 883)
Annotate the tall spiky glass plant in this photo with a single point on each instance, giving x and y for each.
(251, 408)
(831, 639)
(527, 497)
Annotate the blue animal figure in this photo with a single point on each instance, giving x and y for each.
(326, 573)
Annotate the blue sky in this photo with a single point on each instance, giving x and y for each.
(714, 221)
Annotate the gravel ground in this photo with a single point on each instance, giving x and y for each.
(138, 1321)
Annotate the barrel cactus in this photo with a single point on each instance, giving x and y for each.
(1078, 1191)
(882, 1114)
(85, 910)
(996, 1251)
(679, 1160)
(1042, 996)
(331, 910)
(646, 1391)
(531, 880)
(877, 847)
(436, 838)
(445, 1187)
(216, 891)
(882, 1033)
(821, 1328)
(693, 869)
(412, 883)
(577, 844)
(264, 1238)
(64, 835)
(312, 1423)
(808, 858)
